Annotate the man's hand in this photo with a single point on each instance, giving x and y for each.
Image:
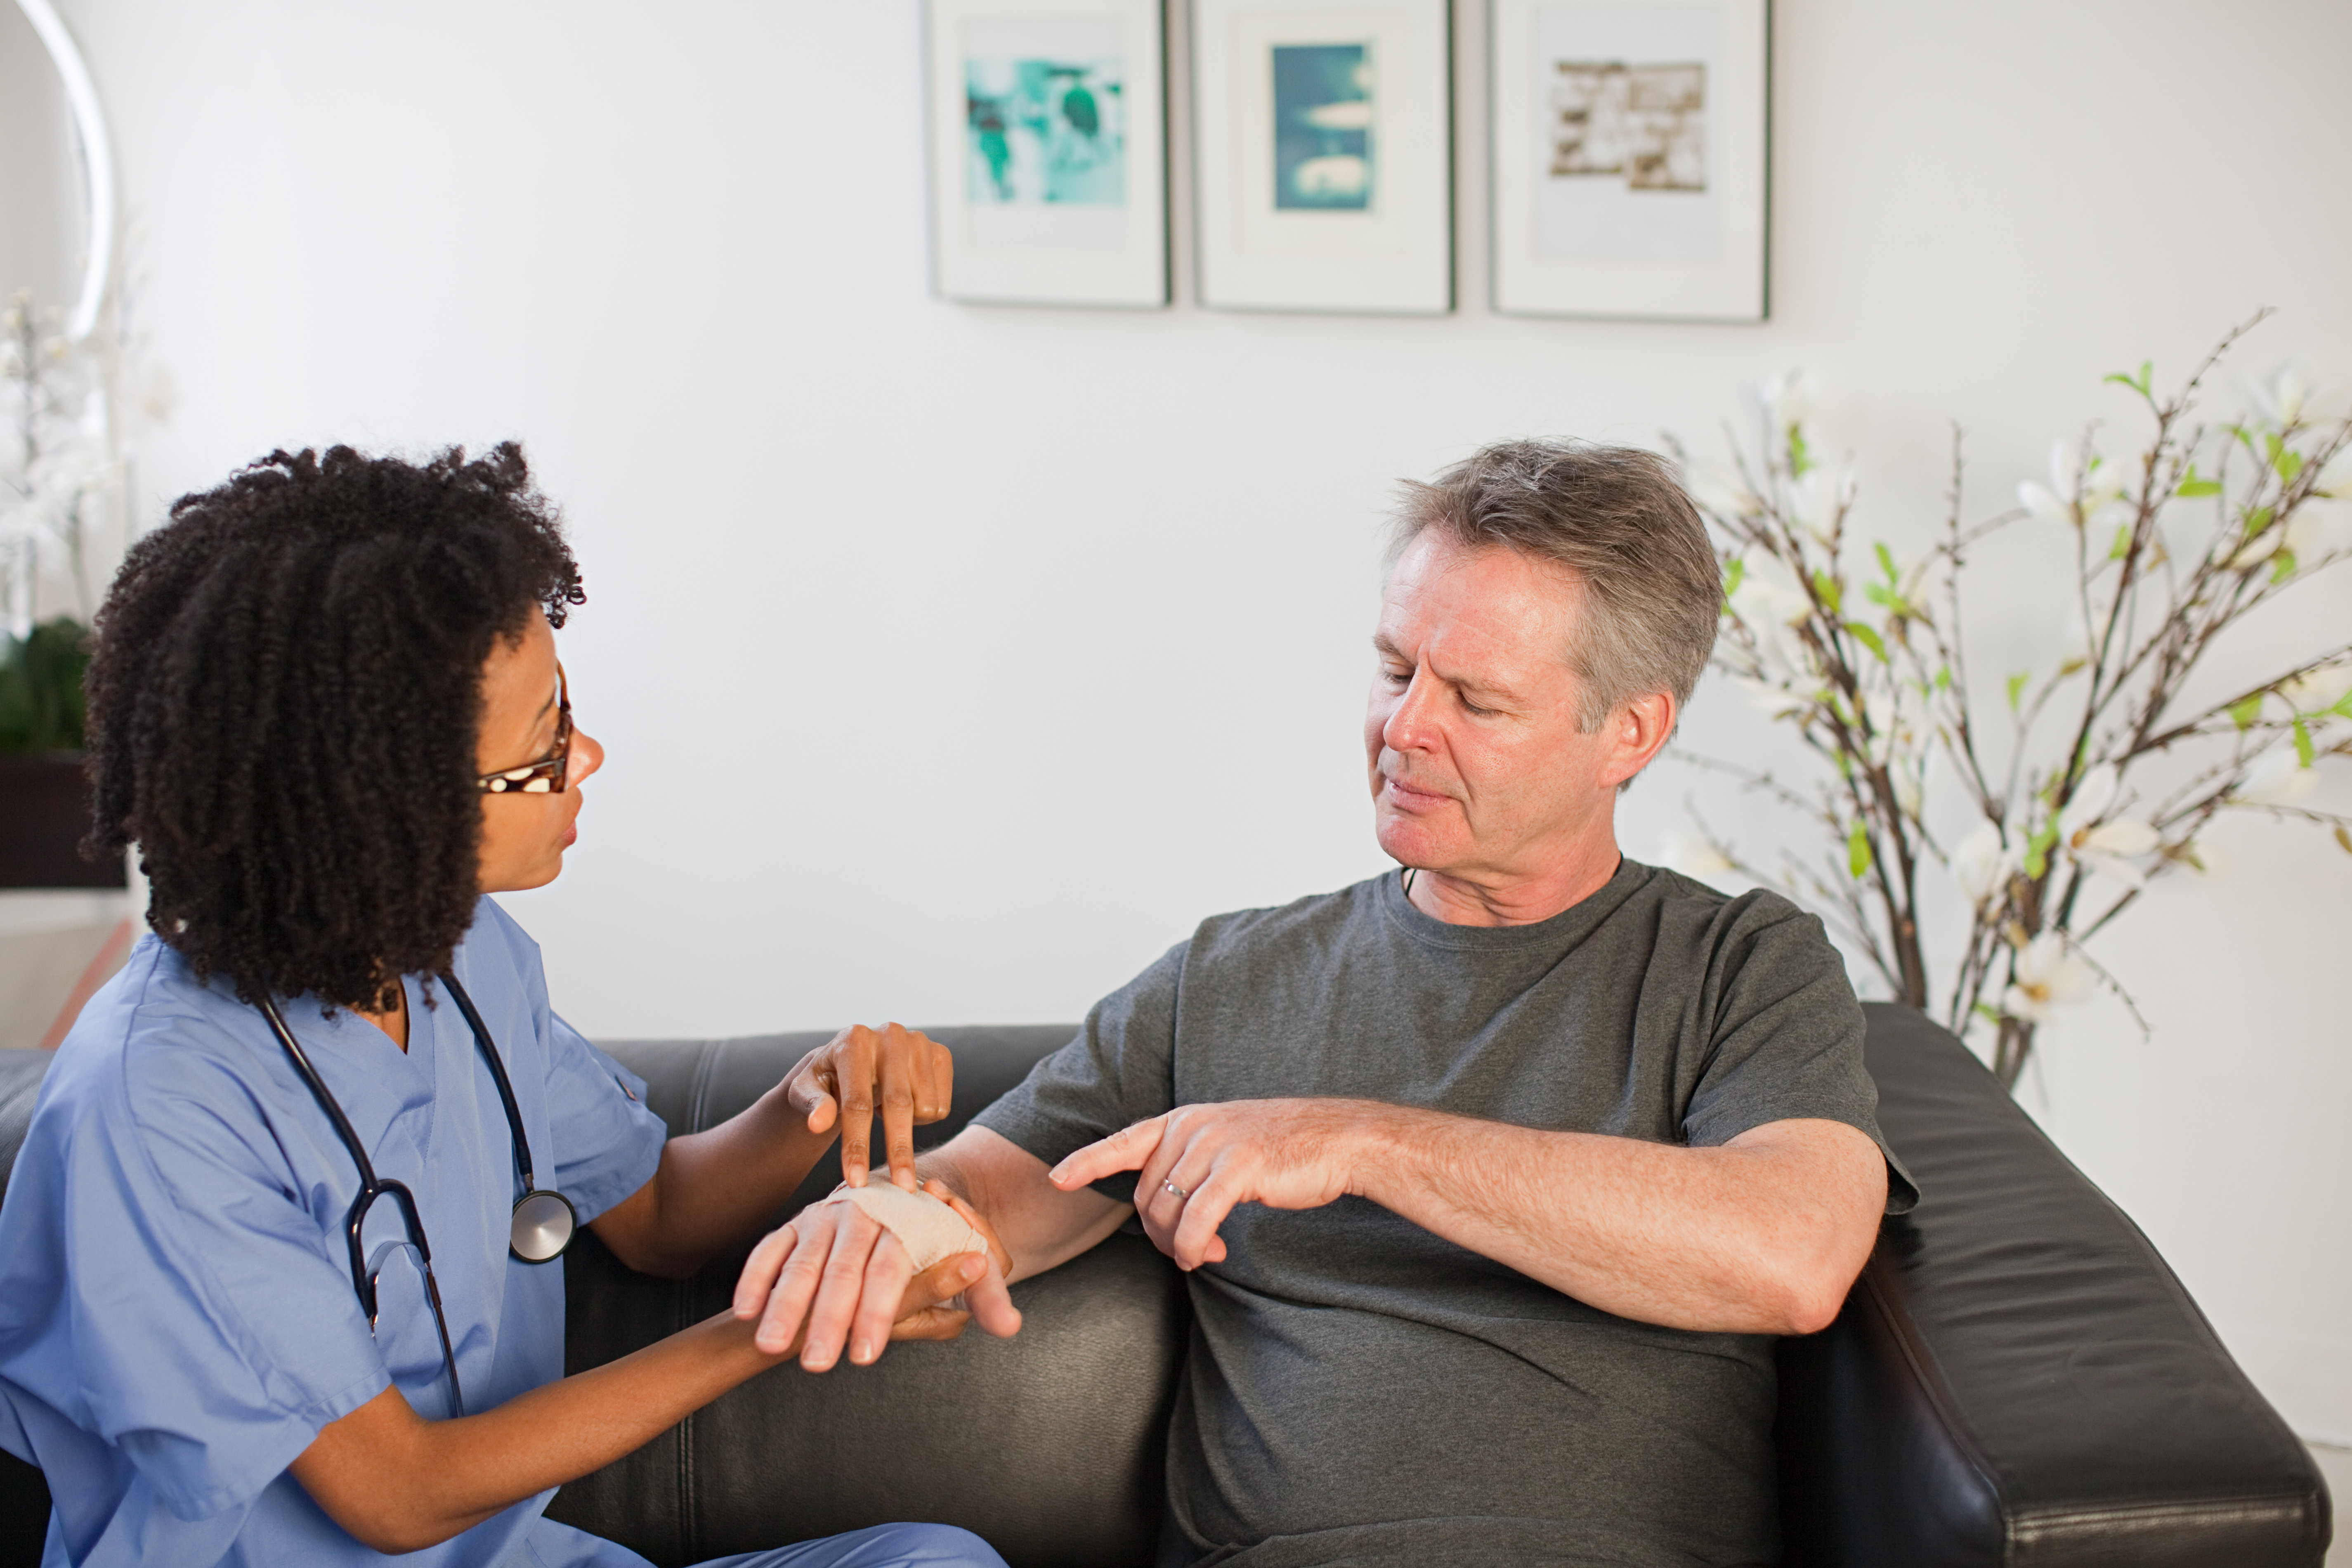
(836, 1082)
(1197, 1162)
(835, 1274)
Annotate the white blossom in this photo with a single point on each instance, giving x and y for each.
(1787, 399)
(2093, 841)
(2334, 476)
(2280, 397)
(1817, 500)
(2278, 779)
(2048, 975)
(2318, 690)
(1768, 594)
(1982, 864)
(1768, 698)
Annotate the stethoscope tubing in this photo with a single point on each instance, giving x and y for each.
(373, 1186)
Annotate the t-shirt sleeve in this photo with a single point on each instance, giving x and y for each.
(212, 1336)
(607, 1143)
(1788, 1040)
(1119, 1070)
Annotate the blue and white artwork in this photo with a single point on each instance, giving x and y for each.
(1323, 123)
(1045, 133)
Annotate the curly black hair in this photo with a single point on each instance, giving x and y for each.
(283, 709)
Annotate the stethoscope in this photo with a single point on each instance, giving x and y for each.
(538, 1230)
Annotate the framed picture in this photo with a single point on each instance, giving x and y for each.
(1631, 157)
(1324, 133)
(1049, 167)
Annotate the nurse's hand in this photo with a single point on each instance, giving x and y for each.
(833, 1275)
(911, 1075)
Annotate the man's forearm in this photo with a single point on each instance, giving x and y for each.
(1763, 1234)
(401, 1483)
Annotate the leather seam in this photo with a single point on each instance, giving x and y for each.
(2044, 1523)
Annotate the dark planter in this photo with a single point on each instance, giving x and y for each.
(44, 812)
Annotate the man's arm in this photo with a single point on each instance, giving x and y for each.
(716, 1187)
(1762, 1235)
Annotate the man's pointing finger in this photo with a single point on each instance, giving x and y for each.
(1125, 1150)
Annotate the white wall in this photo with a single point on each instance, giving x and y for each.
(954, 660)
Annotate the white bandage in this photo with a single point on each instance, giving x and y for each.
(927, 1228)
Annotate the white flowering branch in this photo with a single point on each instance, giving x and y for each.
(2175, 541)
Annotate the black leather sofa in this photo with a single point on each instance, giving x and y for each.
(2016, 1379)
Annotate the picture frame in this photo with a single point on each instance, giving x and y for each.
(1048, 134)
(1632, 158)
(1324, 154)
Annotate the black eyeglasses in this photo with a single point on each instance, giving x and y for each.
(547, 775)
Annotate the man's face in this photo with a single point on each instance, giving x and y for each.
(1477, 767)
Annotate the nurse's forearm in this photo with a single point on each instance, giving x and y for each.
(714, 1188)
(401, 1483)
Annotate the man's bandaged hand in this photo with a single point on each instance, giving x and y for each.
(926, 1224)
(835, 1274)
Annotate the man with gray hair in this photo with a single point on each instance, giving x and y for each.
(1494, 1177)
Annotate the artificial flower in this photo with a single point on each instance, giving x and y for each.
(1982, 864)
(2279, 779)
(2100, 845)
(2048, 975)
(2279, 398)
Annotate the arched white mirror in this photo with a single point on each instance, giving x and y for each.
(96, 205)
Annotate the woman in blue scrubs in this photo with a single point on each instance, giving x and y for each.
(326, 709)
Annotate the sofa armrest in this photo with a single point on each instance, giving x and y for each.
(2017, 1379)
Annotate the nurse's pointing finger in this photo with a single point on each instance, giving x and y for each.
(898, 1063)
(852, 1054)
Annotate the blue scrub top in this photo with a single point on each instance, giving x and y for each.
(177, 1320)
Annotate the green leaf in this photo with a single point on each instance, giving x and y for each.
(1801, 458)
(2302, 743)
(2037, 853)
(1986, 1009)
(2122, 546)
(2017, 687)
(2260, 518)
(1944, 679)
(1868, 639)
(2282, 565)
(1826, 586)
(1887, 564)
(2191, 487)
(1857, 851)
(2139, 382)
(2288, 462)
(2342, 839)
(2243, 714)
(2343, 709)
(1733, 575)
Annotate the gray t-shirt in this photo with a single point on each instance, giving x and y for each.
(1360, 1390)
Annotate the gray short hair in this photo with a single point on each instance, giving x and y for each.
(1614, 517)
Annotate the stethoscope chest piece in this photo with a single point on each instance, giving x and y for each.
(542, 1227)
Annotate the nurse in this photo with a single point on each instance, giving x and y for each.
(274, 1284)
